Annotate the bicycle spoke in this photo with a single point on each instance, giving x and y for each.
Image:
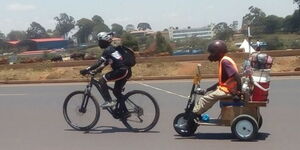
(81, 111)
(144, 111)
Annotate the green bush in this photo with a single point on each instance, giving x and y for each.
(48, 56)
(274, 43)
(295, 44)
(94, 52)
(27, 59)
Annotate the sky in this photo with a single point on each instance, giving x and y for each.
(160, 14)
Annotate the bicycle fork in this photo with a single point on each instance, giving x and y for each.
(85, 98)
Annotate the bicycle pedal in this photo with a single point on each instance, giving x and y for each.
(108, 104)
(125, 116)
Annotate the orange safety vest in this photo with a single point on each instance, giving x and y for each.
(230, 85)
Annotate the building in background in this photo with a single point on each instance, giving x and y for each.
(50, 43)
(130, 28)
(202, 32)
(235, 25)
(142, 33)
(42, 44)
(165, 34)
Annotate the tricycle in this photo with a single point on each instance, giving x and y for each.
(242, 116)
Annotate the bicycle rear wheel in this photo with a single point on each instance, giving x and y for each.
(144, 111)
(79, 117)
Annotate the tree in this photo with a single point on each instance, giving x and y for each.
(192, 43)
(143, 26)
(273, 24)
(297, 2)
(223, 31)
(64, 24)
(100, 28)
(52, 33)
(4, 47)
(99, 25)
(130, 41)
(255, 18)
(85, 29)
(36, 31)
(97, 19)
(16, 35)
(291, 23)
(287, 24)
(2, 36)
(161, 44)
(118, 29)
(129, 27)
(197, 43)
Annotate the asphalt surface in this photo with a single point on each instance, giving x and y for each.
(31, 119)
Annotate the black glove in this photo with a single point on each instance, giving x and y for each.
(84, 72)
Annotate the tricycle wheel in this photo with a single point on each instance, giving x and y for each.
(260, 122)
(244, 127)
(180, 119)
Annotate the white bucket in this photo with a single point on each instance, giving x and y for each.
(262, 75)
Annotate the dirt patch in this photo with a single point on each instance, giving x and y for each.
(46, 71)
(286, 64)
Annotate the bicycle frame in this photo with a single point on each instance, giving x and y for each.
(196, 84)
(87, 91)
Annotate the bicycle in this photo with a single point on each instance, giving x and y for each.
(87, 109)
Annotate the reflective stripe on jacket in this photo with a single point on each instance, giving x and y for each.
(230, 85)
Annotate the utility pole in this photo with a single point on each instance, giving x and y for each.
(249, 35)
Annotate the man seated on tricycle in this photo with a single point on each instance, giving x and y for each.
(228, 86)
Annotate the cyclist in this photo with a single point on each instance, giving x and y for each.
(120, 72)
(229, 84)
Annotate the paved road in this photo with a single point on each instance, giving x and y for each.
(31, 119)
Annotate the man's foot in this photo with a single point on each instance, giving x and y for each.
(108, 104)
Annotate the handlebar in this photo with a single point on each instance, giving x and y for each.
(94, 72)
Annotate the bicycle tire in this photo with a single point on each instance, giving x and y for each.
(128, 122)
(184, 132)
(67, 114)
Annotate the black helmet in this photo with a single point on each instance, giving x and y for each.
(217, 46)
(217, 50)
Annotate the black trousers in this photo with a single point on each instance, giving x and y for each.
(120, 76)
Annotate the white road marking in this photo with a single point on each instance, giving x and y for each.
(159, 89)
(12, 94)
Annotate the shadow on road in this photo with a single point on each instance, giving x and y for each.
(110, 129)
(223, 136)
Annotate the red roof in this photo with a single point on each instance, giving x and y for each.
(39, 40)
(48, 39)
(13, 42)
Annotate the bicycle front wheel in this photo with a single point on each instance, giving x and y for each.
(81, 111)
(144, 111)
